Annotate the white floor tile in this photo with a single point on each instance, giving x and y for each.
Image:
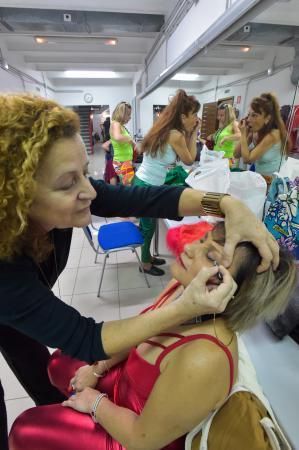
(88, 257)
(104, 308)
(129, 277)
(66, 282)
(77, 238)
(138, 297)
(88, 279)
(16, 407)
(133, 301)
(74, 257)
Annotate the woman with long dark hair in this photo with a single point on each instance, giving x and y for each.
(263, 136)
(172, 137)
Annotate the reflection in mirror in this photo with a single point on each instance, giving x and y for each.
(261, 57)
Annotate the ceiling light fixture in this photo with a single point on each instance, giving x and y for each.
(40, 40)
(90, 74)
(246, 49)
(186, 77)
(110, 42)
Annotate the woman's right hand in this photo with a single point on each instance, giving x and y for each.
(84, 377)
(204, 300)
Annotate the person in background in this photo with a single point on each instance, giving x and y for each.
(122, 142)
(186, 372)
(263, 136)
(45, 192)
(106, 129)
(172, 137)
(228, 132)
(109, 174)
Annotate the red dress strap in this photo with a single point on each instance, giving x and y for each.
(163, 297)
(155, 343)
(207, 337)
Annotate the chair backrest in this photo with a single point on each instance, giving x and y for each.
(88, 234)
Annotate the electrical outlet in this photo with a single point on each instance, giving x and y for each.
(67, 17)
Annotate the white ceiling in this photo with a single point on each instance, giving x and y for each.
(128, 56)
(129, 6)
(227, 58)
(88, 52)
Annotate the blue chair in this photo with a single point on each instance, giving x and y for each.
(116, 237)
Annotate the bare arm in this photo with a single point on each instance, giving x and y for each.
(184, 146)
(116, 134)
(172, 401)
(235, 136)
(240, 225)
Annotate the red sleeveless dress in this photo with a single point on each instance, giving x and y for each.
(128, 384)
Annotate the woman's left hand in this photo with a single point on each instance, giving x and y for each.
(82, 401)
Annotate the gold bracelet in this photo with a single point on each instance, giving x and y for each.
(210, 204)
(100, 375)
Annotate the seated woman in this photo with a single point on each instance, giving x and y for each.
(186, 373)
(263, 136)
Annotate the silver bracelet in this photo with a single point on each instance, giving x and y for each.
(95, 406)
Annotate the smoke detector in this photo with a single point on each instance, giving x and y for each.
(67, 17)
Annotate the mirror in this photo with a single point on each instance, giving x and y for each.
(262, 56)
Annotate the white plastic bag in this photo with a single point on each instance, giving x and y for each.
(290, 169)
(207, 156)
(251, 188)
(211, 177)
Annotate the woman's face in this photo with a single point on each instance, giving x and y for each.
(64, 193)
(221, 116)
(197, 255)
(128, 115)
(256, 121)
(189, 121)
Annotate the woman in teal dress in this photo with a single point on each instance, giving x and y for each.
(263, 136)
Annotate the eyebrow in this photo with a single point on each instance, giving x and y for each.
(72, 172)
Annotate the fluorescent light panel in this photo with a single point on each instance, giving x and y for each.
(186, 77)
(90, 74)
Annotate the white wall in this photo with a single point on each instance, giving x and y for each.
(9, 82)
(158, 97)
(279, 84)
(102, 95)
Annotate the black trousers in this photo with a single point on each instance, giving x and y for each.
(28, 359)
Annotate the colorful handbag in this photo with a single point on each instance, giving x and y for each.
(282, 216)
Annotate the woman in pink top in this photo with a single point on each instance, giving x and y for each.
(152, 395)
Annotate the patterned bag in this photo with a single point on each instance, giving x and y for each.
(282, 216)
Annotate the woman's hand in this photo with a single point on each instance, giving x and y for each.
(243, 127)
(242, 225)
(205, 300)
(84, 377)
(82, 401)
(223, 140)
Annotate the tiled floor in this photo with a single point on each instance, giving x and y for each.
(124, 291)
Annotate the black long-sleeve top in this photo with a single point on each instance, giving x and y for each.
(26, 301)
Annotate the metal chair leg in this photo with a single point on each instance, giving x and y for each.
(141, 266)
(102, 274)
(97, 254)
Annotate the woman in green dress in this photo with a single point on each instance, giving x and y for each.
(228, 132)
